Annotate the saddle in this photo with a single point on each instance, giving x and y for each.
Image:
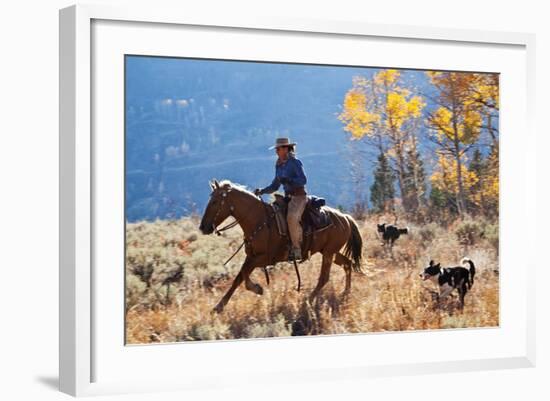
(314, 218)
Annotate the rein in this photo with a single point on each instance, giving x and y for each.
(249, 240)
(234, 223)
(251, 237)
(227, 227)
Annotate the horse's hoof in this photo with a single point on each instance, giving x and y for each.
(258, 289)
(255, 288)
(218, 308)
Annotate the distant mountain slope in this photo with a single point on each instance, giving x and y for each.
(188, 121)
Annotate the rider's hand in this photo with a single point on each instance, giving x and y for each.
(257, 192)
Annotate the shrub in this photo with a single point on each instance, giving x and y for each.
(427, 234)
(214, 330)
(469, 232)
(491, 235)
(389, 297)
(277, 328)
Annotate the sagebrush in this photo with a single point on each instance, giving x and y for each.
(175, 276)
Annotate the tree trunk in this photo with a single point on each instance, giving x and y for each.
(490, 129)
(401, 176)
(416, 196)
(460, 194)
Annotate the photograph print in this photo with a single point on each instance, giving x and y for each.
(269, 199)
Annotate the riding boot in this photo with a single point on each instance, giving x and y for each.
(295, 254)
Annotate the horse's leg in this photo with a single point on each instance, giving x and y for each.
(254, 287)
(245, 271)
(324, 276)
(343, 261)
(251, 285)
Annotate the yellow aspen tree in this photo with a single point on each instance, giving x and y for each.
(486, 94)
(456, 123)
(490, 185)
(381, 109)
(445, 176)
(360, 114)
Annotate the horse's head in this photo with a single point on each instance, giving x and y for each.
(218, 209)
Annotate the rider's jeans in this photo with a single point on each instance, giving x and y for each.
(296, 207)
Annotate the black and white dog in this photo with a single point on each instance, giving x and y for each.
(391, 233)
(450, 278)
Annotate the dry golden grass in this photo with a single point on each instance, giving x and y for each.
(390, 297)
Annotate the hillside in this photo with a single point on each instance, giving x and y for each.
(390, 297)
(188, 121)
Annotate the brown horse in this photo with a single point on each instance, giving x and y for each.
(265, 247)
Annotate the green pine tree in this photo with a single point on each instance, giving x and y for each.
(382, 191)
(414, 181)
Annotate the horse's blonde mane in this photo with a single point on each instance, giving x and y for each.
(234, 185)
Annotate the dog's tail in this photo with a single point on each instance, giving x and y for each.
(354, 246)
(472, 270)
(404, 230)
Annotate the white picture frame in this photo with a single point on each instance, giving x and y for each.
(79, 158)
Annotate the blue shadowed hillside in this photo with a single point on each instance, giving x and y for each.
(188, 121)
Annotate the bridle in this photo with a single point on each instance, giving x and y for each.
(251, 237)
(234, 223)
(231, 209)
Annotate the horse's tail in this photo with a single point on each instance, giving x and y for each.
(354, 246)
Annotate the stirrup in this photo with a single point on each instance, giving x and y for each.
(295, 254)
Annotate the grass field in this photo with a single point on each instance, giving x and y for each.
(389, 297)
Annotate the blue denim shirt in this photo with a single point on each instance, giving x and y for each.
(291, 169)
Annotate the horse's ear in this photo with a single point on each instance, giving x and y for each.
(211, 183)
(216, 183)
(431, 262)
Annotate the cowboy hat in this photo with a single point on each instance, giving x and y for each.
(282, 142)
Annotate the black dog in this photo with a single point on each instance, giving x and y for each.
(391, 233)
(449, 278)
